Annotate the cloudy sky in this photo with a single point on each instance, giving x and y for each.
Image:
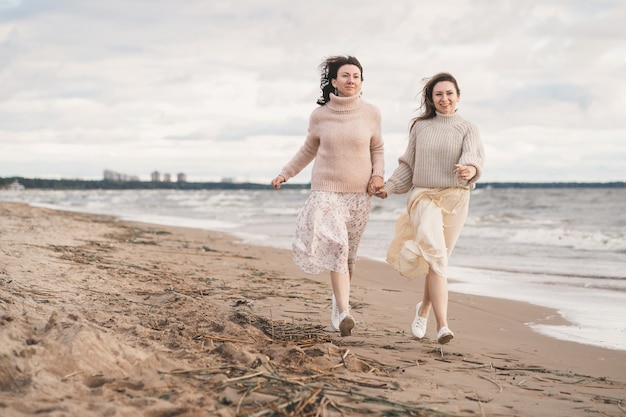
(223, 89)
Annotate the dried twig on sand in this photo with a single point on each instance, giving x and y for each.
(295, 398)
(284, 332)
(492, 381)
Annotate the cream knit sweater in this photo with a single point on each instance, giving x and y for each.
(345, 139)
(435, 145)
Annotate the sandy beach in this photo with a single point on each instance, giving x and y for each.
(100, 317)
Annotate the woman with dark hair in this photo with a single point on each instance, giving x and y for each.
(344, 137)
(441, 164)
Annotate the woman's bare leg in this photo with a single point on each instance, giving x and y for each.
(341, 289)
(426, 300)
(436, 293)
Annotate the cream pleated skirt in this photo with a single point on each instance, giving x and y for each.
(427, 232)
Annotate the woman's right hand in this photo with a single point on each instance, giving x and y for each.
(276, 182)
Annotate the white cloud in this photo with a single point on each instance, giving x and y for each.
(224, 89)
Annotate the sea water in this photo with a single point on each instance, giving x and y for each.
(563, 248)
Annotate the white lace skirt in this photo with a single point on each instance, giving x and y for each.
(328, 231)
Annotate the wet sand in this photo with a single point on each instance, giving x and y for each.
(100, 317)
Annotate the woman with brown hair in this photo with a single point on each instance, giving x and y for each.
(441, 164)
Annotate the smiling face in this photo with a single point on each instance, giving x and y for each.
(445, 97)
(348, 82)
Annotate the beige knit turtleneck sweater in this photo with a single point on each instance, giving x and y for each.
(435, 146)
(345, 139)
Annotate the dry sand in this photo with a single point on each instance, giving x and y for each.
(100, 317)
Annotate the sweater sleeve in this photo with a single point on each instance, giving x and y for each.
(305, 154)
(401, 180)
(473, 152)
(377, 148)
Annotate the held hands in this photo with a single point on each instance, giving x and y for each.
(465, 172)
(276, 182)
(377, 187)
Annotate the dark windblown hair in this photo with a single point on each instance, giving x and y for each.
(329, 69)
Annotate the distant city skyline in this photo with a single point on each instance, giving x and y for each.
(155, 176)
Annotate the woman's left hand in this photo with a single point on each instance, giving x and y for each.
(465, 172)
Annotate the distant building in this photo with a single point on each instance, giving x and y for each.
(180, 177)
(117, 176)
(155, 176)
(15, 186)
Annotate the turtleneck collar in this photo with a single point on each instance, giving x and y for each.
(447, 118)
(344, 104)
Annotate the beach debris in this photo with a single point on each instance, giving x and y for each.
(299, 334)
(311, 395)
(492, 381)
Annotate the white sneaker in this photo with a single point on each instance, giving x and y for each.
(418, 328)
(334, 317)
(444, 336)
(346, 323)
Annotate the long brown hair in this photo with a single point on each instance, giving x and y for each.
(428, 106)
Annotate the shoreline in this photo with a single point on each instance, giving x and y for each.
(568, 329)
(547, 277)
(101, 314)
